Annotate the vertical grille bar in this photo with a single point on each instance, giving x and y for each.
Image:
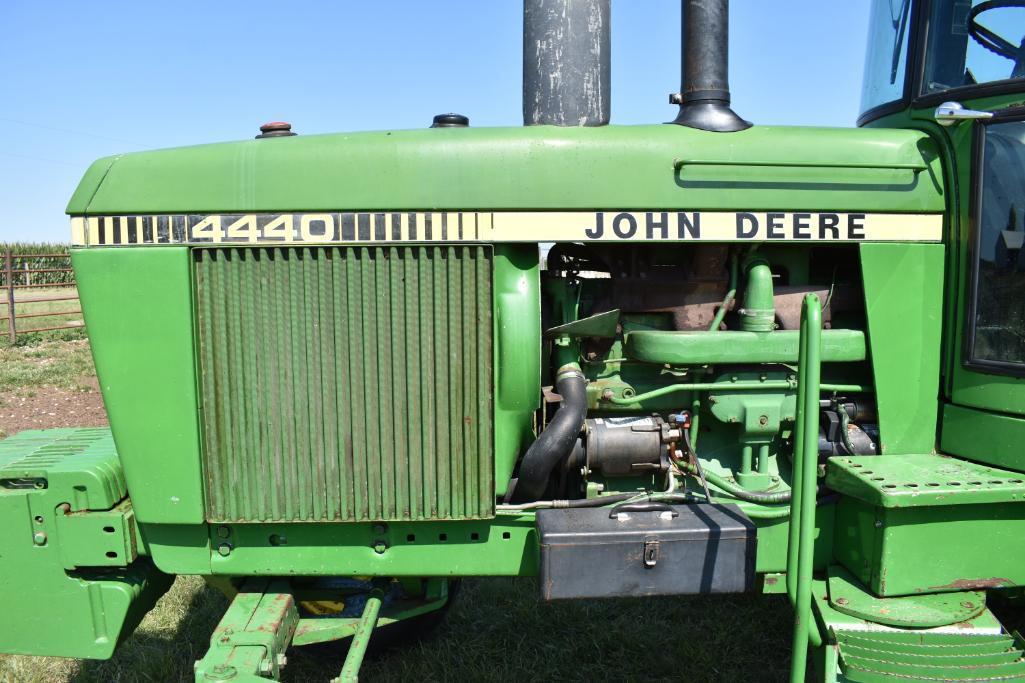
(346, 383)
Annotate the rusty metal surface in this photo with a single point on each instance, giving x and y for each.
(346, 384)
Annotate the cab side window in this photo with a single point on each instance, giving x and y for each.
(998, 334)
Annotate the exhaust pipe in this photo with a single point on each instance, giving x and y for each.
(566, 67)
(705, 95)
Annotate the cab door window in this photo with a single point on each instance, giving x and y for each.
(997, 335)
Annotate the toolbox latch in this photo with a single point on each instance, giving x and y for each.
(650, 552)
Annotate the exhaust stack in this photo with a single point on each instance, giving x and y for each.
(705, 95)
(566, 67)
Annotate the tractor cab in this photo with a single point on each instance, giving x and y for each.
(956, 70)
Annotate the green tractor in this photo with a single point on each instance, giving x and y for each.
(343, 371)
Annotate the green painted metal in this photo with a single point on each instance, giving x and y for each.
(849, 596)
(981, 435)
(360, 640)
(138, 309)
(503, 546)
(922, 480)
(99, 538)
(308, 361)
(249, 642)
(801, 551)
(738, 346)
(757, 311)
(538, 167)
(931, 549)
(976, 641)
(517, 324)
(61, 595)
(889, 657)
(904, 306)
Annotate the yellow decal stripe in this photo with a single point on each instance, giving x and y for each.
(508, 226)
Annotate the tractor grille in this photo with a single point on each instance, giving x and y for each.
(346, 384)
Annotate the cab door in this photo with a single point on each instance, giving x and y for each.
(984, 416)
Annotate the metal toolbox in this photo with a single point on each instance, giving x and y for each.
(645, 549)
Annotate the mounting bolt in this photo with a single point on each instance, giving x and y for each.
(841, 601)
(380, 528)
(39, 538)
(380, 546)
(879, 524)
(763, 420)
(223, 531)
(282, 660)
(607, 395)
(224, 549)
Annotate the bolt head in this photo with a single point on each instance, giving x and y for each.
(39, 538)
(224, 549)
(841, 601)
(380, 547)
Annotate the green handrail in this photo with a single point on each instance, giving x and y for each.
(802, 503)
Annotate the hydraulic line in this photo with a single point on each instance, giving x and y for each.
(743, 385)
(730, 294)
(737, 491)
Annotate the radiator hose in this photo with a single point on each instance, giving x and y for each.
(556, 441)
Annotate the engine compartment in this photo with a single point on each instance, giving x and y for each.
(688, 355)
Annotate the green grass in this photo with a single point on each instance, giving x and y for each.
(36, 363)
(496, 630)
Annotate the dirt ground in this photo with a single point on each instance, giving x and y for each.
(46, 407)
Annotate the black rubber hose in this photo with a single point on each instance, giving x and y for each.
(556, 441)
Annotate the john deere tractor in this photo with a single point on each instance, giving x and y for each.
(702, 356)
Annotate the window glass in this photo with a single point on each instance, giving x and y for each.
(972, 42)
(886, 59)
(999, 333)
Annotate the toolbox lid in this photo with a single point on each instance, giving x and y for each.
(596, 526)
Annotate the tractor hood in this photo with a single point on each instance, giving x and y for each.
(764, 168)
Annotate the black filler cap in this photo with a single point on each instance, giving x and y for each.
(450, 121)
(275, 129)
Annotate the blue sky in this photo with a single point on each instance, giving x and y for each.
(87, 79)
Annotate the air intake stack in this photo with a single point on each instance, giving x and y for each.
(705, 96)
(566, 68)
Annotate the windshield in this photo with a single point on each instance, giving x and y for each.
(886, 60)
(972, 42)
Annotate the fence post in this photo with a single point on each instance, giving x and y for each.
(12, 330)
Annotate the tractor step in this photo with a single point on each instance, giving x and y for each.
(930, 655)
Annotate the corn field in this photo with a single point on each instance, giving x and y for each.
(37, 256)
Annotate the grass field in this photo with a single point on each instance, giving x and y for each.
(496, 630)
